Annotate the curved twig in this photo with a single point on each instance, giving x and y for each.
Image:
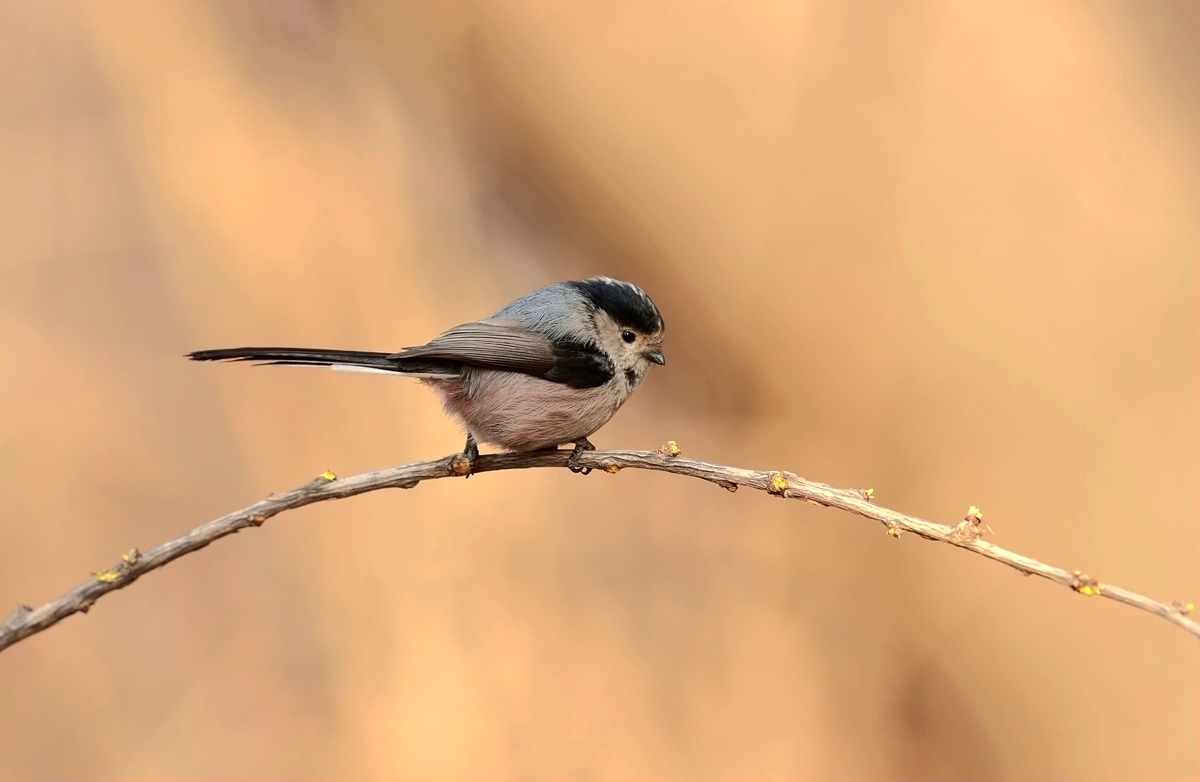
(967, 534)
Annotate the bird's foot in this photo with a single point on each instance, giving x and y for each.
(582, 446)
(464, 463)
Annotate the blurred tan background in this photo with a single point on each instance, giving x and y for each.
(946, 250)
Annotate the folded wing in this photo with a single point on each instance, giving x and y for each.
(506, 345)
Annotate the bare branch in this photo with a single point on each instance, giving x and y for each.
(966, 534)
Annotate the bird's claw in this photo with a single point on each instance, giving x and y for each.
(582, 446)
(466, 460)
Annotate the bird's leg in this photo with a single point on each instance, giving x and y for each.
(582, 445)
(470, 454)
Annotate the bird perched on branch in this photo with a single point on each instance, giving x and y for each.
(547, 369)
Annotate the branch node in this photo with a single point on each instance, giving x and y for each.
(971, 527)
(1085, 584)
(408, 484)
(965, 532)
(893, 529)
(128, 560)
(612, 468)
(460, 464)
(1182, 608)
(867, 494)
(728, 486)
(18, 616)
(670, 449)
(257, 519)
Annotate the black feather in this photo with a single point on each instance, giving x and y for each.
(580, 364)
(301, 356)
(627, 304)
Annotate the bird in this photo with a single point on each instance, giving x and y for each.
(547, 369)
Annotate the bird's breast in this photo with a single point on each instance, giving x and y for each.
(524, 413)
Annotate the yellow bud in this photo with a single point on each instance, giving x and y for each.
(670, 448)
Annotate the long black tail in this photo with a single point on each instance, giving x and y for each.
(303, 356)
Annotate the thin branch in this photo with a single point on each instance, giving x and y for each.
(966, 534)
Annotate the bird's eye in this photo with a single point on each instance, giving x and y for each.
(628, 336)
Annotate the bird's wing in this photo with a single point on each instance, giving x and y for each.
(497, 344)
(505, 344)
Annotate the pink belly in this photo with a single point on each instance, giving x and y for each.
(523, 413)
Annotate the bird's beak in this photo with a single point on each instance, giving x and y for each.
(656, 355)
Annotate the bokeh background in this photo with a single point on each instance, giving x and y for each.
(945, 250)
